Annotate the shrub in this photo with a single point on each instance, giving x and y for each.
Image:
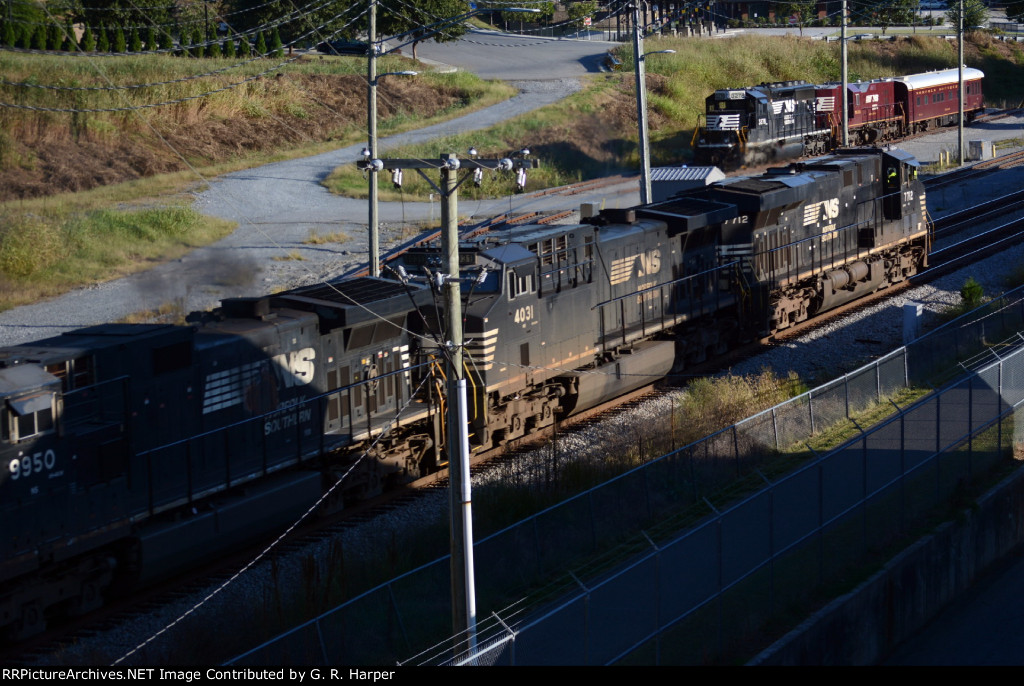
(120, 45)
(971, 293)
(88, 42)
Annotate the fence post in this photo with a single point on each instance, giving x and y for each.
(736, 448)
(775, 428)
(970, 425)
(810, 409)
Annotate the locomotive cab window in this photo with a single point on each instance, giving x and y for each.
(519, 285)
(27, 417)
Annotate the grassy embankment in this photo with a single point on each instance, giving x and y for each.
(91, 195)
(594, 132)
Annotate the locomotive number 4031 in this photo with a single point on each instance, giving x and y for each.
(524, 314)
(27, 465)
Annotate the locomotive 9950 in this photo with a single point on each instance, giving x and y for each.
(131, 451)
(775, 121)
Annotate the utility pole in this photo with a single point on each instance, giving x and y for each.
(457, 421)
(371, 118)
(960, 92)
(845, 78)
(641, 105)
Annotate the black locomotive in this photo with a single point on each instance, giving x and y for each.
(131, 451)
(776, 121)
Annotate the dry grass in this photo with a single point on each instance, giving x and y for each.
(321, 239)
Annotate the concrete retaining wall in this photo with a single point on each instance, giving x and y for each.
(862, 627)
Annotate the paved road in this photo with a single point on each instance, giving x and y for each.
(519, 58)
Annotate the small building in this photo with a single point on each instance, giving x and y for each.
(667, 181)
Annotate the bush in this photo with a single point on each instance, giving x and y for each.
(971, 293)
(88, 43)
(713, 403)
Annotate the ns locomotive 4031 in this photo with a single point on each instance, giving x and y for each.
(130, 451)
(776, 121)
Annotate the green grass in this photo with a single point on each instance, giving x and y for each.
(48, 252)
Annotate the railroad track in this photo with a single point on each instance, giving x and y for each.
(121, 612)
(976, 171)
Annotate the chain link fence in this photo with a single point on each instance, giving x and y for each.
(606, 576)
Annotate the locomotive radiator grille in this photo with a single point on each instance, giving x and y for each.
(227, 388)
(481, 349)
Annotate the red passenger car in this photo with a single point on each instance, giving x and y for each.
(931, 99)
(874, 112)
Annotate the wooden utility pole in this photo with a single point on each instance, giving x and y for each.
(461, 530)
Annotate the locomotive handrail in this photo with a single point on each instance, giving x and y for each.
(270, 413)
(635, 294)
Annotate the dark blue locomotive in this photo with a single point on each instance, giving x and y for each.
(130, 451)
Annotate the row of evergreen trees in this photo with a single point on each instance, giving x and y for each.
(53, 37)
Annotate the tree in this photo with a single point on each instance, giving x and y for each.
(151, 42)
(68, 44)
(135, 42)
(119, 45)
(892, 12)
(54, 36)
(39, 38)
(9, 36)
(261, 44)
(1015, 11)
(123, 13)
(801, 12)
(975, 13)
(276, 47)
(578, 11)
(419, 21)
(88, 42)
(103, 42)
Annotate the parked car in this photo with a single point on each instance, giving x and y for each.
(344, 47)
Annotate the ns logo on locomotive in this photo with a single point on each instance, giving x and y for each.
(130, 451)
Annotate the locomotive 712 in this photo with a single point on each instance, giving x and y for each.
(131, 451)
